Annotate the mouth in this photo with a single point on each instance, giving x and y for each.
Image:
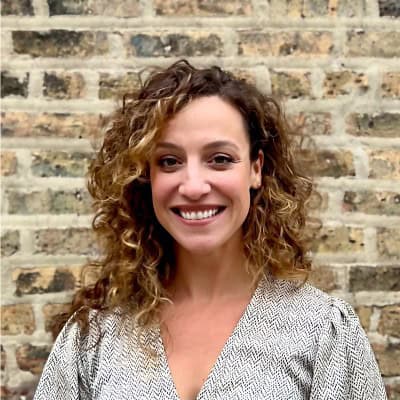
(198, 214)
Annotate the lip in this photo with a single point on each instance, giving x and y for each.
(203, 207)
(198, 222)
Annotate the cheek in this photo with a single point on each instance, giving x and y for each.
(161, 188)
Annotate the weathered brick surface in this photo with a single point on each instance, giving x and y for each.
(60, 163)
(68, 125)
(50, 313)
(388, 357)
(60, 43)
(318, 201)
(374, 278)
(8, 163)
(12, 85)
(391, 85)
(16, 7)
(333, 64)
(325, 278)
(17, 319)
(60, 85)
(265, 43)
(377, 125)
(389, 323)
(32, 358)
(316, 8)
(393, 390)
(368, 202)
(116, 85)
(203, 7)
(364, 314)
(45, 280)
(338, 239)
(48, 201)
(345, 83)
(290, 84)
(390, 8)
(331, 163)
(9, 242)
(384, 164)
(317, 123)
(362, 43)
(117, 8)
(388, 243)
(3, 357)
(65, 241)
(186, 44)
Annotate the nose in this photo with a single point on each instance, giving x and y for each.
(194, 183)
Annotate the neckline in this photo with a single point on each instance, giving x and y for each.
(241, 324)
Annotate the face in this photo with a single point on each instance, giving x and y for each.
(201, 176)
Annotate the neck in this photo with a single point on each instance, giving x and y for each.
(221, 274)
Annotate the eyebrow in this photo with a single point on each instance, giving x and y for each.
(208, 146)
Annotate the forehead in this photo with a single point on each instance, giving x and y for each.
(207, 118)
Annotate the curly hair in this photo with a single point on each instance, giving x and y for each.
(136, 259)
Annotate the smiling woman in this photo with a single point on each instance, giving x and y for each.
(201, 293)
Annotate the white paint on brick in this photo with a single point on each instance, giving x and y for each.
(370, 243)
(372, 298)
(36, 85)
(40, 8)
(361, 164)
(41, 221)
(375, 317)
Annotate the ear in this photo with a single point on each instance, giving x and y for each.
(256, 170)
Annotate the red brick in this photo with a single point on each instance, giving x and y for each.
(283, 43)
(345, 83)
(45, 280)
(193, 8)
(389, 323)
(188, 44)
(32, 358)
(391, 85)
(383, 124)
(17, 319)
(76, 125)
(362, 43)
(384, 164)
(65, 241)
(59, 43)
(8, 163)
(291, 84)
(379, 203)
(63, 85)
(338, 239)
(317, 123)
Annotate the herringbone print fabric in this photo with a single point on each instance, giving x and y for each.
(291, 343)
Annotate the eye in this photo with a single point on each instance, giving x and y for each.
(221, 160)
(168, 162)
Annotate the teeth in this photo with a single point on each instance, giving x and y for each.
(199, 214)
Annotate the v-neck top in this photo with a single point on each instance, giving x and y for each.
(290, 343)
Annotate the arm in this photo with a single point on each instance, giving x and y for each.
(345, 366)
(65, 373)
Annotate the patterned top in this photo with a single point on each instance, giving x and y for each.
(290, 343)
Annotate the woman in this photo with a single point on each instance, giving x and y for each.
(200, 209)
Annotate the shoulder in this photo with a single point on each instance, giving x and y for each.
(305, 306)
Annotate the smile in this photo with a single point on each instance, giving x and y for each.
(198, 215)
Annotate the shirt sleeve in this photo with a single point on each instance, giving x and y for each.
(65, 373)
(345, 366)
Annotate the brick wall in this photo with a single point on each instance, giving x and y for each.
(335, 64)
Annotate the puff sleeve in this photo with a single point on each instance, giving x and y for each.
(345, 366)
(65, 375)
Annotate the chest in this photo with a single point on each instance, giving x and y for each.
(194, 339)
